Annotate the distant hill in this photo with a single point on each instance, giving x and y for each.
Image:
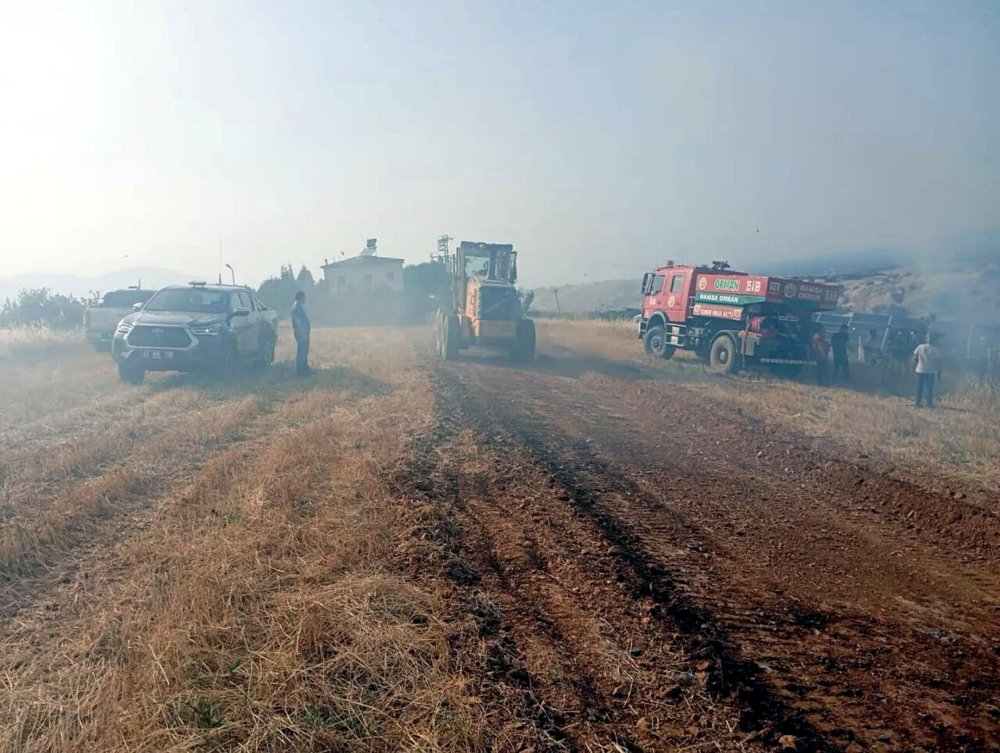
(607, 295)
(80, 286)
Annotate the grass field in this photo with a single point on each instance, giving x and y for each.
(959, 440)
(270, 565)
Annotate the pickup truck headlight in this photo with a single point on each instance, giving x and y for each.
(208, 330)
(123, 328)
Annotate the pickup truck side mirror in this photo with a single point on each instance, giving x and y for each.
(647, 280)
(138, 306)
(240, 312)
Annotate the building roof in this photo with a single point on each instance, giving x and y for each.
(362, 261)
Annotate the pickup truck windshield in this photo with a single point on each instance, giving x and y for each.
(193, 300)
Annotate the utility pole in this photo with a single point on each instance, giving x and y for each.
(443, 251)
(555, 292)
(232, 272)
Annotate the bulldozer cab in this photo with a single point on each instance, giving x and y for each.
(487, 308)
(484, 262)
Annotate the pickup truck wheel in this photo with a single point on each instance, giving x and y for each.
(265, 351)
(230, 364)
(655, 343)
(722, 355)
(130, 374)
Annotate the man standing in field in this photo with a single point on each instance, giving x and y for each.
(927, 363)
(838, 344)
(301, 327)
(821, 354)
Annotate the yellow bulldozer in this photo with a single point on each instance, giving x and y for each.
(486, 308)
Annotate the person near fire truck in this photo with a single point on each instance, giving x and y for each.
(821, 354)
(927, 359)
(838, 344)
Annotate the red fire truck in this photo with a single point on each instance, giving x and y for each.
(731, 319)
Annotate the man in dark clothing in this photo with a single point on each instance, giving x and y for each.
(821, 354)
(301, 327)
(838, 344)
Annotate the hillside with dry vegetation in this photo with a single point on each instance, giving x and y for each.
(967, 292)
(599, 552)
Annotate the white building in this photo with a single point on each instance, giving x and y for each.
(361, 274)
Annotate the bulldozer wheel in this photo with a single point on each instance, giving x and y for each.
(438, 331)
(523, 350)
(655, 343)
(722, 355)
(450, 335)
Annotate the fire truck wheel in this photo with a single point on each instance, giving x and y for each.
(655, 343)
(722, 356)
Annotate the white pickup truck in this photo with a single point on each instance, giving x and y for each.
(100, 320)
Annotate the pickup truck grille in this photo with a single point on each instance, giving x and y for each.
(145, 336)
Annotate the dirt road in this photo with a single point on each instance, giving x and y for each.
(670, 573)
(596, 553)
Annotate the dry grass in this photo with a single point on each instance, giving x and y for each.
(958, 441)
(257, 605)
(39, 342)
(195, 566)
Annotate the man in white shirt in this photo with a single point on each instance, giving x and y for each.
(927, 363)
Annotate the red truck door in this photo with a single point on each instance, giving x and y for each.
(675, 294)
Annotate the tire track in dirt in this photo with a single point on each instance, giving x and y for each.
(724, 616)
(506, 686)
(602, 546)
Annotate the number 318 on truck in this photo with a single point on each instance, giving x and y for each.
(732, 320)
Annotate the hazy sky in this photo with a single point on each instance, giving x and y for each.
(600, 137)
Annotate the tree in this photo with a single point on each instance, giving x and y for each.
(40, 307)
(305, 280)
(426, 287)
(279, 292)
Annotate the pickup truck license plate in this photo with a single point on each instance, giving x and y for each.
(158, 355)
